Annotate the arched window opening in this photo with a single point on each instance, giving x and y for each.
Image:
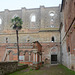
(28, 39)
(52, 39)
(6, 40)
(68, 49)
(33, 21)
(52, 14)
(33, 18)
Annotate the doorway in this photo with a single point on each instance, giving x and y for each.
(53, 59)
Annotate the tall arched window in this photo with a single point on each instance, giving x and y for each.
(52, 16)
(52, 39)
(68, 49)
(33, 18)
(33, 21)
(6, 40)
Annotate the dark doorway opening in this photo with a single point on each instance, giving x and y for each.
(53, 59)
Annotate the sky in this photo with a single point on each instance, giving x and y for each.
(18, 4)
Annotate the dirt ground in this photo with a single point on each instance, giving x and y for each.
(46, 70)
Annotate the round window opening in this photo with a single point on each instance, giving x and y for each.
(51, 14)
(0, 21)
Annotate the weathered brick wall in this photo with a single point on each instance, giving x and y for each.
(43, 23)
(46, 26)
(2, 52)
(68, 12)
(26, 51)
(47, 49)
(42, 32)
(42, 17)
(9, 67)
(40, 36)
(38, 46)
(68, 34)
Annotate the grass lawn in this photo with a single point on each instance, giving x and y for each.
(52, 70)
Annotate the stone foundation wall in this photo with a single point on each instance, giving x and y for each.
(9, 67)
(22, 67)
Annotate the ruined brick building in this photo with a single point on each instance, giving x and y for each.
(68, 33)
(51, 28)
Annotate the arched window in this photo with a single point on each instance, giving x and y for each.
(68, 49)
(6, 40)
(52, 39)
(33, 18)
(33, 21)
(51, 14)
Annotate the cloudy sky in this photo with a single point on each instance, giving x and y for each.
(18, 4)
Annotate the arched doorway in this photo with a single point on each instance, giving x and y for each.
(54, 55)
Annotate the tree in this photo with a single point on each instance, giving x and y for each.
(17, 25)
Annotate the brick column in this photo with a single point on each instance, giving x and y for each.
(29, 56)
(8, 56)
(24, 57)
(36, 57)
(40, 58)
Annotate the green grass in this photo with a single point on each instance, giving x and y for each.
(20, 64)
(27, 73)
(53, 70)
(67, 70)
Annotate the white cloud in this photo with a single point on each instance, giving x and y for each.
(18, 4)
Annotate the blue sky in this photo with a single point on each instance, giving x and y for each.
(18, 4)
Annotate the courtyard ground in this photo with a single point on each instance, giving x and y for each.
(46, 70)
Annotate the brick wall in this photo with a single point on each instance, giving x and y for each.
(2, 52)
(43, 23)
(68, 34)
(42, 17)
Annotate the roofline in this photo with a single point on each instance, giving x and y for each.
(38, 43)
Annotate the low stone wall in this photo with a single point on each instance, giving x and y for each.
(9, 67)
(22, 67)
